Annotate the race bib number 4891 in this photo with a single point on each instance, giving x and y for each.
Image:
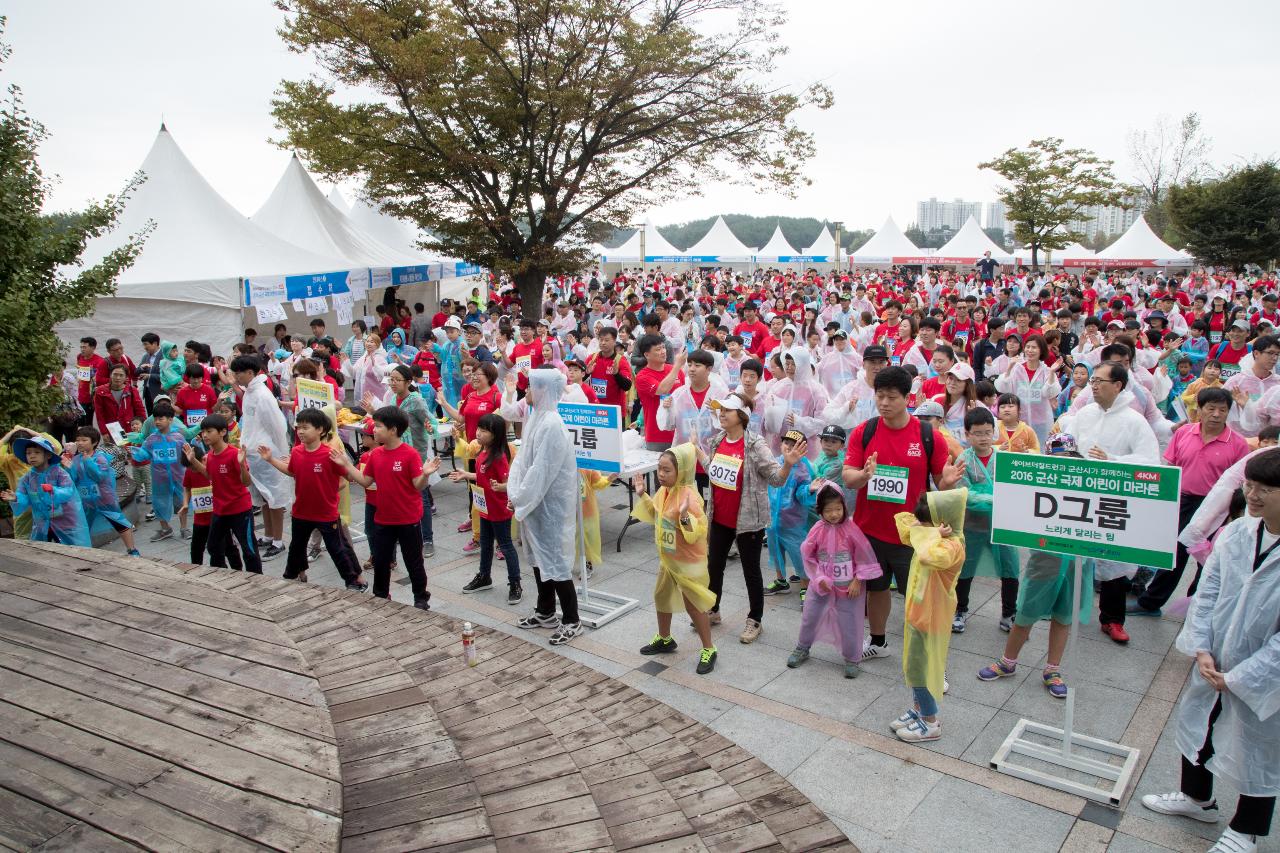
(888, 484)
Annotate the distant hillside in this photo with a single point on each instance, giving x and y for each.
(754, 231)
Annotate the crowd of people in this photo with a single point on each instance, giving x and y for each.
(846, 424)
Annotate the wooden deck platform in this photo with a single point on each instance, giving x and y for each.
(172, 707)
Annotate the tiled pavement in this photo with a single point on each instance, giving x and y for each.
(829, 735)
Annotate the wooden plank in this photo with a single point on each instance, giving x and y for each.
(413, 809)
(521, 753)
(384, 723)
(420, 734)
(370, 688)
(376, 704)
(79, 837)
(655, 802)
(579, 836)
(398, 761)
(284, 745)
(387, 789)
(527, 796)
(173, 679)
(755, 836)
(524, 732)
(229, 764)
(544, 816)
(650, 830)
(628, 787)
(505, 779)
(433, 834)
(108, 807)
(825, 835)
(732, 817)
(25, 824)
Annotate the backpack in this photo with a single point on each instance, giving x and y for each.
(926, 438)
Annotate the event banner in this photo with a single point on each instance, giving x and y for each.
(1087, 508)
(314, 394)
(596, 431)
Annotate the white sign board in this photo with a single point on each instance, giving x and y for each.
(596, 432)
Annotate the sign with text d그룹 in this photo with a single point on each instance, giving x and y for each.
(596, 432)
(1087, 508)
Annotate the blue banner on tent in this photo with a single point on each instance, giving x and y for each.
(274, 289)
(669, 259)
(415, 274)
(461, 269)
(803, 259)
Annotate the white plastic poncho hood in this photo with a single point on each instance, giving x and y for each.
(543, 484)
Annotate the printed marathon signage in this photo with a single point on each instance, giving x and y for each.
(596, 432)
(1087, 508)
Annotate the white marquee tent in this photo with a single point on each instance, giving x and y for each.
(718, 246)
(887, 246)
(967, 245)
(1139, 247)
(657, 249)
(777, 250)
(1058, 257)
(187, 282)
(336, 199)
(823, 245)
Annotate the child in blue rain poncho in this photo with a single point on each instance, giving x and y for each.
(49, 493)
(95, 480)
(448, 353)
(163, 448)
(791, 517)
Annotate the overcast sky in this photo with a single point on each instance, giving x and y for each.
(923, 92)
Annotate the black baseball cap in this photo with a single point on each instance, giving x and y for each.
(875, 351)
(834, 431)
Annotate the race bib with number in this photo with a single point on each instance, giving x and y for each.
(165, 455)
(1229, 370)
(1215, 337)
(746, 339)
(202, 499)
(962, 337)
(895, 360)
(888, 484)
(723, 472)
(195, 416)
(1034, 394)
(841, 567)
(599, 387)
(667, 535)
(84, 374)
(479, 499)
(524, 363)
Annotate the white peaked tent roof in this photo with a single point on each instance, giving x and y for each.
(298, 212)
(1140, 243)
(885, 245)
(823, 244)
(655, 246)
(336, 199)
(394, 232)
(776, 248)
(1072, 252)
(720, 243)
(969, 243)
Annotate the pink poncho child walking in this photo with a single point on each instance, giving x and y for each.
(837, 558)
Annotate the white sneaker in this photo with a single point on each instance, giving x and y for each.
(1235, 842)
(946, 685)
(920, 730)
(869, 651)
(908, 716)
(958, 623)
(1178, 803)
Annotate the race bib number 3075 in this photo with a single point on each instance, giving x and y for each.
(888, 484)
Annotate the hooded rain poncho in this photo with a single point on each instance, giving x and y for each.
(801, 396)
(543, 483)
(981, 557)
(56, 513)
(682, 548)
(791, 516)
(164, 451)
(838, 368)
(931, 589)
(95, 480)
(1234, 616)
(834, 555)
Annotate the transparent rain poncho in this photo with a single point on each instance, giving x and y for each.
(164, 452)
(95, 480)
(543, 483)
(800, 396)
(931, 590)
(1234, 616)
(682, 548)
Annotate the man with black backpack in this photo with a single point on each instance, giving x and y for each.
(889, 461)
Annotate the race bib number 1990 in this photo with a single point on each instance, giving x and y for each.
(888, 484)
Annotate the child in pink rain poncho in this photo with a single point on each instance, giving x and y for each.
(837, 558)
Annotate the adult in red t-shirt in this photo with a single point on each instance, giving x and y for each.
(752, 331)
(897, 444)
(654, 381)
(526, 354)
(88, 363)
(610, 371)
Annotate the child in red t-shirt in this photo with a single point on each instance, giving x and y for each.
(396, 470)
(227, 468)
(198, 495)
(493, 464)
(315, 492)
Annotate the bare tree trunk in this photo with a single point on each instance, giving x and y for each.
(531, 284)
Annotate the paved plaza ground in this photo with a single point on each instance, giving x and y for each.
(829, 736)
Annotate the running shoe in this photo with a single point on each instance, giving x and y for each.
(464, 526)
(1006, 623)
(870, 650)
(272, 552)
(908, 716)
(1235, 842)
(851, 669)
(920, 730)
(1136, 609)
(428, 549)
(358, 586)
(659, 645)
(134, 552)
(477, 583)
(150, 516)
(537, 620)
(750, 632)
(313, 553)
(707, 661)
(777, 587)
(162, 534)
(423, 603)
(797, 657)
(1116, 632)
(472, 547)
(1054, 684)
(185, 533)
(567, 632)
(514, 593)
(960, 620)
(997, 670)
(1178, 803)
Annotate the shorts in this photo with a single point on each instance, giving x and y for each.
(895, 560)
(1046, 590)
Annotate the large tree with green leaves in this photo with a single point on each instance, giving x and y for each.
(1049, 187)
(36, 293)
(1232, 220)
(518, 131)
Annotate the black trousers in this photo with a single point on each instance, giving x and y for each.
(409, 538)
(240, 526)
(549, 591)
(1112, 601)
(334, 542)
(199, 541)
(1008, 595)
(1253, 814)
(719, 541)
(1161, 588)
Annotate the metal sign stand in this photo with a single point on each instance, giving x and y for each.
(1071, 753)
(597, 608)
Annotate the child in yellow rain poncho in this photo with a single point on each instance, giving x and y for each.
(680, 529)
(590, 482)
(936, 532)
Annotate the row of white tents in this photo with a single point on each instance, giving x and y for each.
(1137, 247)
(207, 272)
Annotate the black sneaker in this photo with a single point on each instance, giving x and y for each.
(271, 552)
(514, 593)
(707, 661)
(423, 603)
(777, 587)
(659, 645)
(358, 586)
(478, 583)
